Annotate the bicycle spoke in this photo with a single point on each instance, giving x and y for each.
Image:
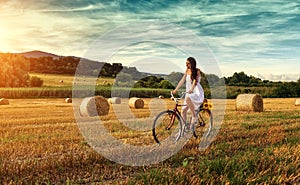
(167, 126)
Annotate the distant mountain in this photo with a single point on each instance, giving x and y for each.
(38, 54)
(56, 64)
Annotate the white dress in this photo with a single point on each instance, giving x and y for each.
(197, 96)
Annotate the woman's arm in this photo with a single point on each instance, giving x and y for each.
(193, 86)
(180, 83)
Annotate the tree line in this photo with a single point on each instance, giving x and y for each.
(15, 69)
(69, 65)
(240, 82)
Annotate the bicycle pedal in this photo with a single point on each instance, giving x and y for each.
(185, 131)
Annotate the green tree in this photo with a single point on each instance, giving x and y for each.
(254, 81)
(204, 80)
(117, 67)
(106, 70)
(165, 84)
(149, 82)
(14, 70)
(287, 89)
(36, 81)
(240, 77)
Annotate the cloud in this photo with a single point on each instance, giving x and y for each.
(243, 35)
(279, 77)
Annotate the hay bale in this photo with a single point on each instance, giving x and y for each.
(297, 102)
(114, 100)
(249, 102)
(136, 103)
(4, 101)
(68, 100)
(161, 97)
(94, 106)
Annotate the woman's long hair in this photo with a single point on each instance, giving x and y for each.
(193, 68)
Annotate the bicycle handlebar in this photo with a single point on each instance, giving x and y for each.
(176, 99)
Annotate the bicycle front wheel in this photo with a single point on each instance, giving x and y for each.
(167, 126)
(204, 125)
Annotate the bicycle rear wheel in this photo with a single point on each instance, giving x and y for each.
(204, 125)
(167, 126)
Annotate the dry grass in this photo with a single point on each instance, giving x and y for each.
(40, 143)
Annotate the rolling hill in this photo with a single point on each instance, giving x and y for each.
(38, 54)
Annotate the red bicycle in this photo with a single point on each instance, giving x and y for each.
(169, 124)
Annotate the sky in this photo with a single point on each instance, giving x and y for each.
(258, 37)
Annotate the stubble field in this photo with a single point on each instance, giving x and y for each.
(40, 143)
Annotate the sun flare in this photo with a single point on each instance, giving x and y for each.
(3, 39)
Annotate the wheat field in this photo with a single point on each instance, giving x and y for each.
(40, 143)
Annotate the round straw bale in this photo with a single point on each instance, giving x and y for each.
(4, 101)
(114, 100)
(136, 103)
(297, 102)
(249, 102)
(94, 106)
(68, 100)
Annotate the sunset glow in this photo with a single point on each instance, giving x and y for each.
(3, 39)
(260, 38)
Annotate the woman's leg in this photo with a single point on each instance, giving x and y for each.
(184, 113)
(190, 104)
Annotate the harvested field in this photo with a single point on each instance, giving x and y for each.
(40, 143)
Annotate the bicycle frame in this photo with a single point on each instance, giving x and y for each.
(176, 111)
(174, 114)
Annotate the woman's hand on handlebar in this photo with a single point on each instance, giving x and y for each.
(174, 91)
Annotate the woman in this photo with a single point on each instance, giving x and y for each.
(195, 94)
